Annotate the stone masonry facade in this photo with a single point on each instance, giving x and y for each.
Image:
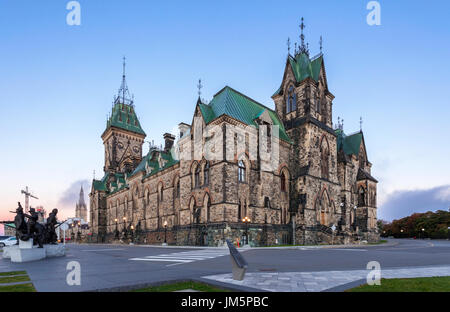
(320, 189)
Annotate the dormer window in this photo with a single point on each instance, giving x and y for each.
(291, 103)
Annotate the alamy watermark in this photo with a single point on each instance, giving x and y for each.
(73, 277)
(374, 276)
(374, 16)
(73, 18)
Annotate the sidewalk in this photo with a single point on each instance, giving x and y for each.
(321, 281)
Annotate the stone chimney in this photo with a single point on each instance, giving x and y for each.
(169, 139)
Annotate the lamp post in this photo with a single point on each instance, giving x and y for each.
(423, 233)
(165, 233)
(124, 227)
(117, 230)
(401, 235)
(246, 221)
(132, 233)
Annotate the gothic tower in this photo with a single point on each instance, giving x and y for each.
(304, 104)
(123, 137)
(81, 208)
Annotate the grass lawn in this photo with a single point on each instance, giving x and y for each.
(378, 243)
(18, 288)
(423, 284)
(182, 286)
(13, 273)
(14, 279)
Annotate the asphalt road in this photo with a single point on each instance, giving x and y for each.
(106, 266)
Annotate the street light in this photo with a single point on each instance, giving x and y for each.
(246, 221)
(117, 230)
(165, 233)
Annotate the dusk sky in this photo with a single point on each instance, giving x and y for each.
(58, 82)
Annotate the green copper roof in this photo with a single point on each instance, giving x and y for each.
(350, 144)
(123, 116)
(304, 67)
(238, 106)
(151, 161)
(117, 185)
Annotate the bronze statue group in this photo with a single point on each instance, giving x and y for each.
(40, 233)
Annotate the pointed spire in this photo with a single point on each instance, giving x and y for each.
(360, 123)
(81, 200)
(289, 45)
(123, 95)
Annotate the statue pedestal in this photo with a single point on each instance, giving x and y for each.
(26, 245)
(6, 254)
(19, 255)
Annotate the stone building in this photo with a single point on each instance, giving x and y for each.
(315, 185)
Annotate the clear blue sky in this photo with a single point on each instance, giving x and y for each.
(58, 81)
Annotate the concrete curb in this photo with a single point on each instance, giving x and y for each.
(225, 286)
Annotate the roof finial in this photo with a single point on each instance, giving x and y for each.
(360, 123)
(302, 36)
(199, 86)
(124, 94)
(321, 44)
(289, 45)
(303, 48)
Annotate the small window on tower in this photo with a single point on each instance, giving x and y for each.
(291, 104)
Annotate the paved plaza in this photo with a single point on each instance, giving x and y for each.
(321, 281)
(305, 269)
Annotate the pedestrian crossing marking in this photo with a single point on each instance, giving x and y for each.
(185, 256)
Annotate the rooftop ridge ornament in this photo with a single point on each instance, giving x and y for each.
(321, 44)
(199, 86)
(303, 48)
(123, 96)
(360, 123)
(289, 45)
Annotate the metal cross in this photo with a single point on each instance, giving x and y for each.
(199, 86)
(302, 36)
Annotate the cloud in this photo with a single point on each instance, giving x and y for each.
(70, 196)
(400, 204)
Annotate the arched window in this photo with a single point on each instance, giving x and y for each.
(266, 202)
(324, 161)
(206, 209)
(242, 172)
(283, 182)
(361, 197)
(291, 104)
(206, 174)
(242, 209)
(177, 189)
(197, 177)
